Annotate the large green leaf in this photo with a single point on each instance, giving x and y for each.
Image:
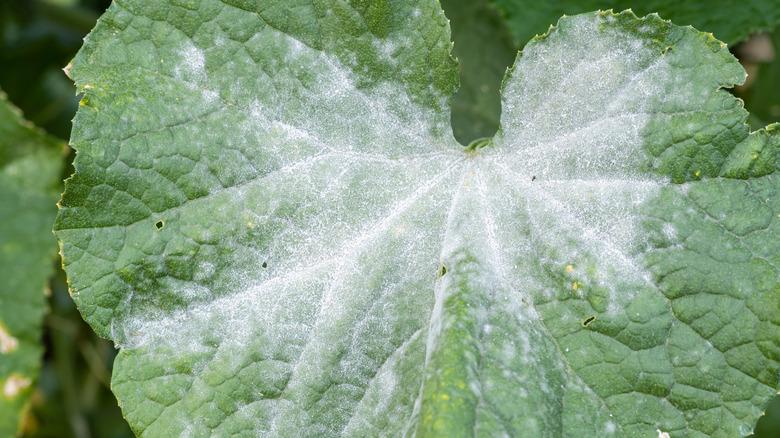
(30, 166)
(730, 21)
(271, 219)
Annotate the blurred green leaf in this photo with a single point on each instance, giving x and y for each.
(73, 398)
(30, 167)
(769, 425)
(763, 94)
(38, 38)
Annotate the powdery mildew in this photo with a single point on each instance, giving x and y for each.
(364, 201)
(574, 155)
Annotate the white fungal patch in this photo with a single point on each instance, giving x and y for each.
(192, 64)
(333, 235)
(669, 231)
(562, 186)
(347, 165)
(387, 49)
(14, 385)
(570, 148)
(205, 271)
(190, 71)
(8, 343)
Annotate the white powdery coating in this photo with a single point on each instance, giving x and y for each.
(330, 137)
(325, 142)
(192, 66)
(372, 186)
(191, 71)
(338, 115)
(562, 185)
(570, 147)
(378, 401)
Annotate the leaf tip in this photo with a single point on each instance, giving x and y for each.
(67, 70)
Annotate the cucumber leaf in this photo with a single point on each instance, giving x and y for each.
(30, 166)
(272, 220)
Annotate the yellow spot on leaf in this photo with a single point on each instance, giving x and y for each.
(569, 269)
(8, 343)
(575, 285)
(15, 384)
(444, 397)
(697, 173)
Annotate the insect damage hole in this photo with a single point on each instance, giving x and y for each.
(159, 224)
(588, 320)
(441, 271)
(264, 265)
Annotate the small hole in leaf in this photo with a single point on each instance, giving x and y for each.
(442, 270)
(265, 264)
(533, 178)
(159, 225)
(588, 321)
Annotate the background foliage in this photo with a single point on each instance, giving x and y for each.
(39, 37)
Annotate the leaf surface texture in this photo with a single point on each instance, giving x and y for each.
(272, 220)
